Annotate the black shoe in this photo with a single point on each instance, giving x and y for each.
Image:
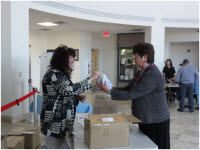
(186, 106)
(197, 108)
(180, 110)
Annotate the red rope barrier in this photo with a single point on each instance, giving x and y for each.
(11, 104)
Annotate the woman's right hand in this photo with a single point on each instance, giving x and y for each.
(94, 75)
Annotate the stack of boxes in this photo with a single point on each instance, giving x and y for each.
(104, 105)
(22, 138)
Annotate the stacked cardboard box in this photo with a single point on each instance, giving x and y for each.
(3, 141)
(15, 142)
(31, 136)
(107, 131)
(103, 104)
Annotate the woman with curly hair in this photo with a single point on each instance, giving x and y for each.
(60, 97)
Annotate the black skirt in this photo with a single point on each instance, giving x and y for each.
(159, 133)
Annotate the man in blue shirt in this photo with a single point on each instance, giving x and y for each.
(186, 76)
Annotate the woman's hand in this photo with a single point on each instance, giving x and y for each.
(94, 75)
(82, 98)
(103, 87)
(173, 79)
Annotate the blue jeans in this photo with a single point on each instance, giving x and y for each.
(196, 90)
(184, 89)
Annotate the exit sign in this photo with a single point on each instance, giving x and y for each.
(188, 50)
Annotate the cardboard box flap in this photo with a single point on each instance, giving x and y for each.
(131, 118)
(107, 119)
(31, 128)
(12, 141)
(3, 136)
(16, 131)
(3, 141)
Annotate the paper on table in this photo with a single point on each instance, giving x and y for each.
(82, 115)
(109, 119)
(81, 122)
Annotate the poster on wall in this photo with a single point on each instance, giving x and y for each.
(129, 73)
(77, 55)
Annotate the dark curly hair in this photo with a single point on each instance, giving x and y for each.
(145, 48)
(60, 59)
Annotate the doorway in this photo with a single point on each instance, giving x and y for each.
(94, 61)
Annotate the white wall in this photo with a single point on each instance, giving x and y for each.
(178, 52)
(177, 35)
(85, 53)
(107, 47)
(40, 41)
(15, 54)
(147, 35)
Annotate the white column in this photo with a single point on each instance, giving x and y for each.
(6, 57)
(158, 41)
(15, 54)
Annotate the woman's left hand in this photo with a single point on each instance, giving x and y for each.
(82, 98)
(103, 87)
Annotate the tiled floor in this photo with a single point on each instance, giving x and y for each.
(184, 126)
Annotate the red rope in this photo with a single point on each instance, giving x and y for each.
(11, 104)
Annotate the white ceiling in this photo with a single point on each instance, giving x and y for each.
(78, 24)
(86, 25)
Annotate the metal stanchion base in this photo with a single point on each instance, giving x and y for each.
(29, 120)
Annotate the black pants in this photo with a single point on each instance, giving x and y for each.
(159, 133)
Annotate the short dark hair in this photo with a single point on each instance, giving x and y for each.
(145, 48)
(60, 59)
(170, 62)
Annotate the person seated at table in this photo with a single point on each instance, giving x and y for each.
(147, 92)
(60, 97)
(169, 73)
(186, 76)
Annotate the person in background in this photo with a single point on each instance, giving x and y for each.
(60, 97)
(186, 77)
(147, 92)
(169, 73)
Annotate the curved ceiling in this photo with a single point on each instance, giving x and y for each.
(69, 23)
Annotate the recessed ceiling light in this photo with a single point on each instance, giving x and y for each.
(47, 24)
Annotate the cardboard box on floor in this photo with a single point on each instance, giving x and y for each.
(38, 147)
(31, 135)
(15, 142)
(3, 141)
(107, 131)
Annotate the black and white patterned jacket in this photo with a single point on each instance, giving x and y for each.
(59, 102)
(149, 102)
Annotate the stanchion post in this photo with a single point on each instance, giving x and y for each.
(35, 108)
(30, 84)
